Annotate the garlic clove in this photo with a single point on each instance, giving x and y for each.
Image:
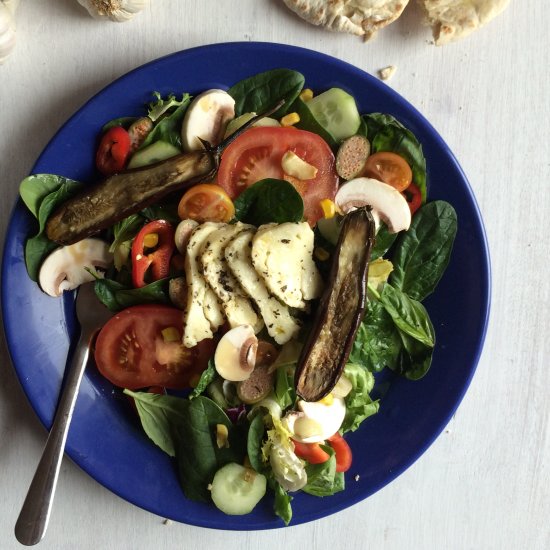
(115, 10)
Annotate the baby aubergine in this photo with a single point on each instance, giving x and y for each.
(340, 310)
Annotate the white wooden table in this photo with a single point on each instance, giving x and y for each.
(485, 483)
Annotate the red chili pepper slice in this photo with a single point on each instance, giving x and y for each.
(113, 151)
(342, 451)
(413, 196)
(158, 260)
(311, 452)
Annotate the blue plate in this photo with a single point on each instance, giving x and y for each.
(105, 439)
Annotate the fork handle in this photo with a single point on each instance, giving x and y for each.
(35, 514)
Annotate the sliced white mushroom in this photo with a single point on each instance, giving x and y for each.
(67, 267)
(297, 167)
(235, 354)
(388, 205)
(316, 421)
(183, 233)
(207, 118)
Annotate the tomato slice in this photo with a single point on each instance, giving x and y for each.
(131, 351)
(390, 168)
(342, 451)
(413, 196)
(155, 259)
(311, 452)
(206, 202)
(257, 154)
(113, 151)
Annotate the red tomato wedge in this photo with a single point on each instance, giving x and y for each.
(132, 352)
(257, 154)
(311, 452)
(342, 451)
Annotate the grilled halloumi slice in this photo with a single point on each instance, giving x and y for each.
(283, 255)
(203, 314)
(280, 325)
(235, 303)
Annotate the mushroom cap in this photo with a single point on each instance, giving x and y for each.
(67, 267)
(235, 355)
(388, 204)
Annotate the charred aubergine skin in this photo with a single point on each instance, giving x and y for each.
(340, 311)
(118, 196)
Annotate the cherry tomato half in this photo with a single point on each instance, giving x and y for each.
(113, 151)
(390, 168)
(413, 196)
(132, 352)
(257, 154)
(311, 452)
(342, 451)
(206, 202)
(157, 257)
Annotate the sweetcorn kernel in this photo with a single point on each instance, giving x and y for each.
(290, 120)
(329, 208)
(306, 94)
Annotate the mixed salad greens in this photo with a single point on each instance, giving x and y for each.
(215, 285)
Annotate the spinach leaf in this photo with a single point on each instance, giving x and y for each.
(168, 128)
(285, 394)
(281, 506)
(323, 479)
(377, 344)
(359, 404)
(197, 452)
(309, 122)
(423, 252)
(415, 358)
(254, 443)
(206, 378)
(409, 315)
(385, 133)
(117, 296)
(39, 246)
(159, 414)
(125, 230)
(260, 92)
(269, 200)
(124, 121)
(383, 242)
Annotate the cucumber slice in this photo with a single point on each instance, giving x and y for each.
(336, 111)
(236, 489)
(160, 150)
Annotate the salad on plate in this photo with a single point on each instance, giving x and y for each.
(265, 251)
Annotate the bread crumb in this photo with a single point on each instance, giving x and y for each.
(387, 72)
(357, 477)
(167, 522)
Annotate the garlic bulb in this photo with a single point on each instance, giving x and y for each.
(7, 27)
(115, 10)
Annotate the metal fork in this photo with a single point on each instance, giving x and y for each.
(35, 514)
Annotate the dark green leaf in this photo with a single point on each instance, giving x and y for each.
(254, 443)
(409, 315)
(377, 344)
(422, 253)
(126, 230)
(281, 506)
(383, 242)
(285, 394)
(125, 122)
(309, 122)
(159, 414)
(269, 200)
(206, 378)
(415, 358)
(36, 250)
(359, 404)
(323, 479)
(162, 211)
(117, 296)
(263, 91)
(385, 133)
(197, 452)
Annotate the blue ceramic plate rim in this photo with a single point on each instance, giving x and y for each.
(245, 59)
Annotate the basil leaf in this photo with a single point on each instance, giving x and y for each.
(116, 296)
(415, 358)
(359, 405)
(34, 189)
(383, 242)
(254, 443)
(269, 200)
(168, 128)
(158, 415)
(260, 92)
(309, 122)
(423, 252)
(377, 343)
(323, 479)
(385, 133)
(124, 121)
(409, 315)
(197, 452)
(206, 378)
(285, 394)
